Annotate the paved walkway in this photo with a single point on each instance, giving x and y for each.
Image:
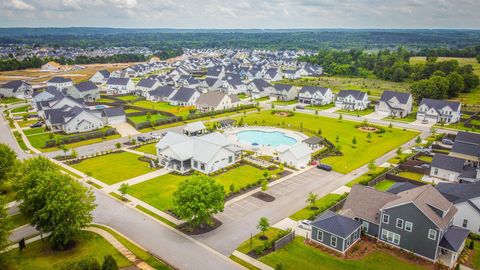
(125, 129)
(251, 261)
(341, 190)
(121, 248)
(133, 151)
(136, 180)
(25, 139)
(288, 223)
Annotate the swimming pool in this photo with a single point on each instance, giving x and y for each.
(265, 138)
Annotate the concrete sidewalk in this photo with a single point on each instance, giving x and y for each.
(251, 260)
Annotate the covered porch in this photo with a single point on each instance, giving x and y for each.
(451, 245)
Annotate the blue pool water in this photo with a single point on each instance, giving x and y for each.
(265, 138)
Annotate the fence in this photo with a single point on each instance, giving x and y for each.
(284, 240)
(80, 137)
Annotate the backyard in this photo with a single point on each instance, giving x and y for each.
(144, 118)
(355, 155)
(114, 168)
(163, 106)
(384, 185)
(322, 204)
(148, 148)
(411, 175)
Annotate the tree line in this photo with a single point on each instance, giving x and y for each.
(432, 79)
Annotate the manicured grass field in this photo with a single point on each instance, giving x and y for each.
(10, 100)
(297, 255)
(39, 256)
(131, 111)
(128, 97)
(245, 247)
(32, 131)
(409, 119)
(323, 203)
(367, 111)
(290, 102)
(114, 168)
(158, 191)
(148, 148)
(21, 109)
(26, 123)
(411, 175)
(143, 118)
(425, 158)
(366, 176)
(384, 185)
(397, 158)
(163, 106)
(354, 155)
(105, 100)
(320, 108)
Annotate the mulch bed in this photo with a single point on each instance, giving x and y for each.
(264, 196)
(368, 129)
(185, 228)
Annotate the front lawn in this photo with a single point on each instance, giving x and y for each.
(290, 102)
(144, 118)
(354, 155)
(148, 148)
(128, 97)
(367, 111)
(384, 185)
(9, 100)
(114, 168)
(246, 247)
(21, 109)
(323, 203)
(425, 158)
(164, 106)
(297, 255)
(367, 177)
(411, 175)
(409, 119)
(320, 107)
(39, 255)
(241, 176)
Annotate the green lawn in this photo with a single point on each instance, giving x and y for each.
(354, 155)
(320, 108)
(476, 255)
(32, 131)
(297, 255)
(242, 96)
(148, 148)
(425, 158)
(411, 175)
(27, 123)
(21, 109)
(243, 263)
(366, 177)
(290, 102)
(10, 100)
(262, 99)
(114, 168)
(409, 119)
(158, 191)
(367, 111)
(128, 97)
(40, 256)
(163, 106)
(131, 111)
(246, 247)
(19, 220)
(143, 118)
(105, 100)
(20, 141)
(398, 158)
(384, 185)
(323, 203)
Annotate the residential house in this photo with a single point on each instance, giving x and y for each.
(466, 198)
(467, 146)
(87, 91)
(352, 100)
(100, 76)
(216, 100)
(315, 95)
(113, 116)
(146, 85)
(291, 74)
(17, 88)
(119, 86)
(184, 97)
(254, 74)
(285, 92)
(273, 75)
(394, 104)
(215, 72)
(417, 220)
(161, 93)
(232, 84)
(446, 167)
(336, 231)
(297, 155)
(259, 88)
(51, 66)
(436, 111)
(207, 153)
(212, 84)
(50, 93)
(60, 82)
(72, 120)
(194, 129)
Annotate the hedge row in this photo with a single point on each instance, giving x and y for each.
(80, 137)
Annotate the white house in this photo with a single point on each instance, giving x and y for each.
(119, 85)
(259, 88)
(17, 88)
(51, 66)
(436, 111)
(466, 198)
(395, 104)
(315, 95)
(100, 76)
(446, 167)
(60, 82)
(146, 85)
(207, 153)
(285, 92)
(216, 100)
(184, 97)
(113, 116)
(88, 91)
(232, 84)
(72, 120)
(352, 100)
(161, 93)
(297, 155)
(273, 75)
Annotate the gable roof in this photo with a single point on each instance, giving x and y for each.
(148, 83)
(448, 163)
(14, 85)
(358, 95)
(402, 97)
(162, 91)
(105, 73)
(210, 99)
(313, 89)
(283, 87)
(184, 94)
(336, 224)
(112, 112)
(467, 143)
(298, 150)
(118, 81)
(85, 86)
(194, 127)
(457, 192)
(59, 80)
(440, 104)
(454, 238)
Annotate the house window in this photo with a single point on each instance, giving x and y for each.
(435, 171)
(408, 226)
(465, 223)
(384, 234)
(365, 226)
(355, 235)
(347, 242)
(333, 241)
(390, 237)
(319, 235)
(399, 223)
(385, 218)
(432, 234)
(195, 164)
(202, 166)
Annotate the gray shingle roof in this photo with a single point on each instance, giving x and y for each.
(454, 238)
(468, 137)
(402, 97)
(336, 224)
(112, 112)
(184, 94)
(440, 104)
(86, 86)
(313, 89)
(118, 81)
(466, 149)
(210, 99)
(162, 91)
(448, 163)
(457, 193)
(59, 80)
(283, 87)
(148, 83)
(358, 95)
(14, 85)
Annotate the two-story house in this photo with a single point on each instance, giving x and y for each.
(216, 100)
(17, 88)
(119, 86)
(184, 97)
(436, 111)
(259, 88)
(284, 92)
(352, 100)
(100, 76)
(60, 82)
(146, 85)
(315, 95)
(88, 91)
(394, 104)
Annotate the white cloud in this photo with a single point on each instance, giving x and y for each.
(18, 4)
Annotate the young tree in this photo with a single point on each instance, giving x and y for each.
(118, 145)
(312, 199)
(8, 161)
(109, 263)
(319, 132)
(264, 185)
(232, 188)
(197, 199)
(399, 151)
(340, 117)
(390, 126)
(265, 174)
(418, 140)
(354, 141)
(64, 149)
(371, 165)
(281, 168)
(73, 153)
(148, 116)
(263, 226)
(369, 137)
(123, 189)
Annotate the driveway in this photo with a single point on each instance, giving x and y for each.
(125, 129)
(240, 218)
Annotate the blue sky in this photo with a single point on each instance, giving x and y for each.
(242, 13)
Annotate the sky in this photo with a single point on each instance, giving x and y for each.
(241, 14)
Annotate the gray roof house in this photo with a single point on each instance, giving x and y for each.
(184, 97)
(216, 100)
(161, 93)
(352, 100)
(394, 104)
(259, 88)
(285, 92)
(315, 95)
(336, 231)
(86, 90)
(100, 76)
(467, 146)
(60, 82)
(146, 85)
(417, 220)
(435, 111)
(447, 167)
(17, 88)
(466, 198)
(117, 85)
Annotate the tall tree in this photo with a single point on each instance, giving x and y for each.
(5, 224)
(197, 199)
(8, 160)
(455, 84)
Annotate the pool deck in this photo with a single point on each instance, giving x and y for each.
(230, 133)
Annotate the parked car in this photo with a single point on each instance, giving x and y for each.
(300, 107)
(305, 224)
(447, 141)
(324, 167)
(425, 166)
(141, 138)
(155, 136)
(33, 115)
(422, 149)
(424, 121)
(37, 124)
